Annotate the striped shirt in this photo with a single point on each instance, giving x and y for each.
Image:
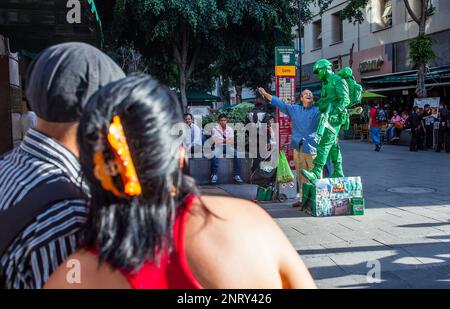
(41, 247)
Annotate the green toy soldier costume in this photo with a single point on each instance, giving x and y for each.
(355, 93)
(335, 98)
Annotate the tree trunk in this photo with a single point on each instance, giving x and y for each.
(421, 21)
(181, 60)
(184, 101)
(421, 90)
(423, 17)
(182, 86)
(238, 94)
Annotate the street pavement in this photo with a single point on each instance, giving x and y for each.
(404, 233)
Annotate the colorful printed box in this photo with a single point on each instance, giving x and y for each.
(334, 197)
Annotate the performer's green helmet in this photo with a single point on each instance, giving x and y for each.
(320, 64)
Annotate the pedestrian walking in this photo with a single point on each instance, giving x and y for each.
(377, 118)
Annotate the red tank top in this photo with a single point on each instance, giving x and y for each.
(173, 271)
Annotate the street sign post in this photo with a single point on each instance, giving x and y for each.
(285, 89)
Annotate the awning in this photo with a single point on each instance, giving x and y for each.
(243, 105)
(407, 80)
(372, 95)
(33, 25)
(196, 97)
(411, 87)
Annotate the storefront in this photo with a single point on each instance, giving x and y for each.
(373, 61)
(401, 86)
(26, 28)
(392, 74)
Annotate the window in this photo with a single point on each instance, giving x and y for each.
(387, 14)
(317, 34)
(381, 12)
(337, 28)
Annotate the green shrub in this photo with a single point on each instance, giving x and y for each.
(236, 115)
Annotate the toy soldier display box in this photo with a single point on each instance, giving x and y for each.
(334, 197)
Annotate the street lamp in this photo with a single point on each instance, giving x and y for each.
(299, 44)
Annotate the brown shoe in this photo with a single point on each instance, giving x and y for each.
(297, 204)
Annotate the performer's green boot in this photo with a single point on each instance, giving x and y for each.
(313, 175)
(337, 170)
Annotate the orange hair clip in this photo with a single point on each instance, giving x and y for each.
(123, 163)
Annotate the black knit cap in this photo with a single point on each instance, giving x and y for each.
(63, 77)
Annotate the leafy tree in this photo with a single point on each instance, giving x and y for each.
(421, 47)
(182, 38)
(188, 42)
(172, 32)
(248, 56)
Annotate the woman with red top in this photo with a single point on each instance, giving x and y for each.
(148, 226)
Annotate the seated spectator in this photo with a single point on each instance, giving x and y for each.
(148, 226)
(271, 133)
(223, 137)
(192, 141)
(391, 133)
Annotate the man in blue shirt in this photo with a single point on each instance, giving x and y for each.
(305, 119)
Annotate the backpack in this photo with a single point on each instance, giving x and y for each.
(380, 116)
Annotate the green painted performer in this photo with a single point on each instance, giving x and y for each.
(333, 104)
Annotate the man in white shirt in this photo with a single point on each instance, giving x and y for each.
(223, 136)
(192, 141)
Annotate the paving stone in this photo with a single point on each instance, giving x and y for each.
(409, 234)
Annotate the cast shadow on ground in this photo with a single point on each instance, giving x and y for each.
(396, 270)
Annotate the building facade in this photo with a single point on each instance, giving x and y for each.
(377, 50)
(26, 28)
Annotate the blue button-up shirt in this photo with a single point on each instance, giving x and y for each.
(304, 124)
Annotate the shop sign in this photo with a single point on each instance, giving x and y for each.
(371, 65)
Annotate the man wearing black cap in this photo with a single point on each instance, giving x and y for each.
(59, 83)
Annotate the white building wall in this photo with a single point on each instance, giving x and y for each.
(363, 36)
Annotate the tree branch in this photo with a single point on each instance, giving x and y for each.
(423, 16)
(411, 12)
(194, 60)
